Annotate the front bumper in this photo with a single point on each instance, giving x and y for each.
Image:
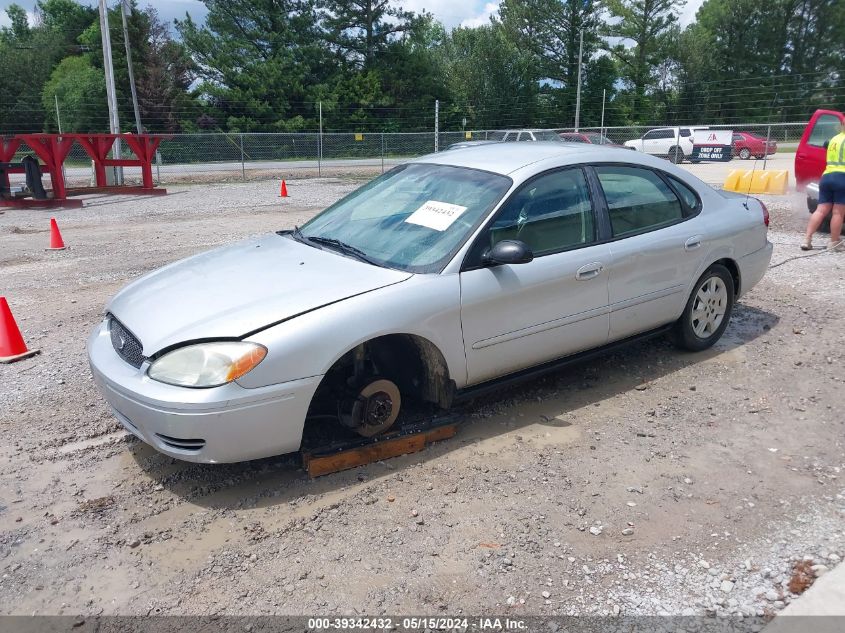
(752, 267)
(221, 424)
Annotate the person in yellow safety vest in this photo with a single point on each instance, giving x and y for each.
(831, 196)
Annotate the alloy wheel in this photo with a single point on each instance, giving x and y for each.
(708, 310)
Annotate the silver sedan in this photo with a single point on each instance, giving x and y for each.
(439, 279)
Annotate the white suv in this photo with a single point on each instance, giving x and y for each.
(672, 142)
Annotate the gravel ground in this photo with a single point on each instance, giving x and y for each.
(650, 481)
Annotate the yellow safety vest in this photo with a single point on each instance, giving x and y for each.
(836, 154)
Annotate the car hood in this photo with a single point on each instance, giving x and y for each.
(235, 290)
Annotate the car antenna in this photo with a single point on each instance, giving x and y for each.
(765, 153)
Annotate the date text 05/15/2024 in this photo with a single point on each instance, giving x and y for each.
(456, 625)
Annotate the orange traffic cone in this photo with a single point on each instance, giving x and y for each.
(56, 241)
(283, 190)
(12, 347)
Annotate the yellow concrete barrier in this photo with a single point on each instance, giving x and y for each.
(779, 182)
(732, 182)
(757, 181)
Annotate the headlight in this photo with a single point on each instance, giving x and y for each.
(207, 364)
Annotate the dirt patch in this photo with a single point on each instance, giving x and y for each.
(16, 230)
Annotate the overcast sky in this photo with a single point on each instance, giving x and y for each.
(449, 12)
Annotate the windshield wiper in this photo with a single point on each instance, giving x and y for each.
(334, 244)
(343, 247)
(298, 236)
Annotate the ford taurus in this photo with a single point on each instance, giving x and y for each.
(439, 279)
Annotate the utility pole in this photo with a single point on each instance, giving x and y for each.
(59, 125)
(124, 11)
(578, 90)
(436, 124)
(58, 116)
(114, 124)
(320, 148)
(603, 96)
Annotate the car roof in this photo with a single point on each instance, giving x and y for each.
(506, 158)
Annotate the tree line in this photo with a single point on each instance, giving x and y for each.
(370, 65)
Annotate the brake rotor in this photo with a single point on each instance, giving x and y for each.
(376, 408)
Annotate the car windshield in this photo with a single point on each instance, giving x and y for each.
(547, 135)
(413, 218)
(598, 139)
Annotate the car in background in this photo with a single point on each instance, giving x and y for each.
(674, 143)
(745, 145)
(463, 144)
(593, 138)
(811, 155)
(509, 136)
(446, 277)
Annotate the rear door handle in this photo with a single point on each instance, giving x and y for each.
(692, 243)
(589, 271)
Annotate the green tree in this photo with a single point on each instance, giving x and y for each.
(65, 19)
(645, 29)
(600, 77)
(81, 92)
(492, 81)
(27, 57)
(551, 30)
(362, 29)
(745, 61)
(261, 63)
(18, 31)
(164, 80)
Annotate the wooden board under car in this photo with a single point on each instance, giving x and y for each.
(324, 462)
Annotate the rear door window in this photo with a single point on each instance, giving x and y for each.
(638, 200)
(825, 128)
(689, 196)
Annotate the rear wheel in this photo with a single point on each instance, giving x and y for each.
(676, 155)
(745, 153)
(708, 310)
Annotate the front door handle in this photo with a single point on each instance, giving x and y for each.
(692, 243)
(589, 271)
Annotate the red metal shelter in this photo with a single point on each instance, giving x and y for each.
(52, 150)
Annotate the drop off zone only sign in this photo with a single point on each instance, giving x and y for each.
(712, 145)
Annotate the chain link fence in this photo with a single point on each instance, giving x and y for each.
(215, 157)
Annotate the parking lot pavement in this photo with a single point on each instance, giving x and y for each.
(649, 481)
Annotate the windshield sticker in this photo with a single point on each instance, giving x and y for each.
(436, 215)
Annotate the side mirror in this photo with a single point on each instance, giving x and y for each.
(509, 252)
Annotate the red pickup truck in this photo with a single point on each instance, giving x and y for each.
(811, 156)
